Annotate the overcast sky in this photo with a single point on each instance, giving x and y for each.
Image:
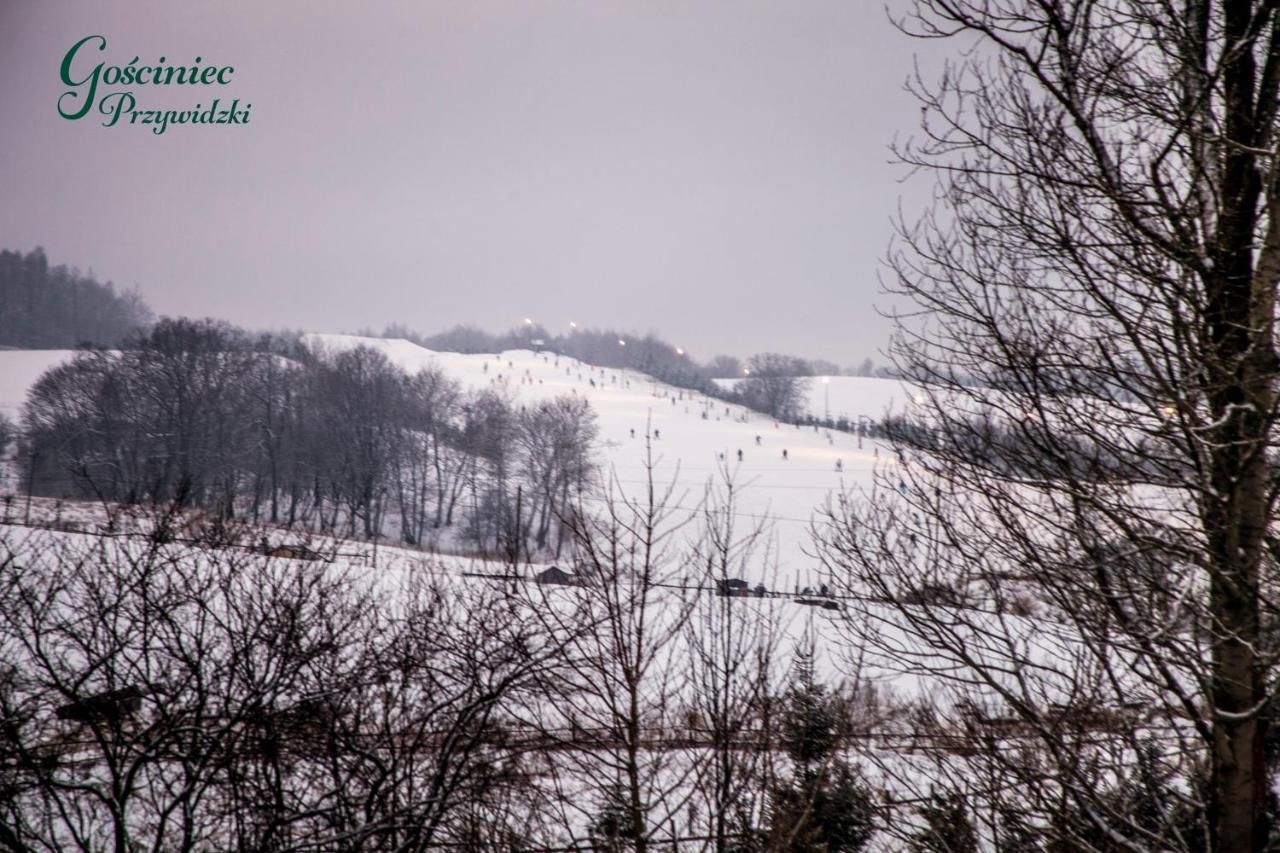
(715, 172)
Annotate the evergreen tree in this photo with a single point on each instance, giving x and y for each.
(44, 307)
(948, 827)
(824, 805)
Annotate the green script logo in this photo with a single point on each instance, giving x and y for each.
(120, 106)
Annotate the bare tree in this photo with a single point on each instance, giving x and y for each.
(8, 431)
(776, 385)
(431, 400)
(732, 637)
(167, 696)
(556, 439)
(623, 685)
(136, 677)
(1103, 276)
(487, 439)
(161, 420)
(414, 750)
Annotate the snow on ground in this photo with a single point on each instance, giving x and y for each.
(695, 439)
(46, 529)
(688, 445)
(857, 397)
(853, 398)
(788, 492)
(19, 370)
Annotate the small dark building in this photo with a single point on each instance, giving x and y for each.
(556, 576)
(733, 588)
(111, 706)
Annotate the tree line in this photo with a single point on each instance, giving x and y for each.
(201, 415)
(648, 354)
(53, 307)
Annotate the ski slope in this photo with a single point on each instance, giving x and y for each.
(695, 442)
(695, 439)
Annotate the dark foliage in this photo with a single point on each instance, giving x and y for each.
(824, 805)
(52, 307)
(948, 827)
(198, 414)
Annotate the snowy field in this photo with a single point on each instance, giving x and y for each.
(696, 442)
(696, 439)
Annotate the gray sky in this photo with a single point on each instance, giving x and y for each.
(716, 172)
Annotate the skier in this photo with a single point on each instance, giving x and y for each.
(839, 466)
(633, 432)
(784, 454)
(757, 441)
(739, 454)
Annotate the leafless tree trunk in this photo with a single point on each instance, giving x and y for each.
(167, 696)
(1084, 543)
(623, 683)
(733, 635)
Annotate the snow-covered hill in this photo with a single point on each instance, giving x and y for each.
(19, 370)
(696, 439)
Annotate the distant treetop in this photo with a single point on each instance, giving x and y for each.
(53, 307)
